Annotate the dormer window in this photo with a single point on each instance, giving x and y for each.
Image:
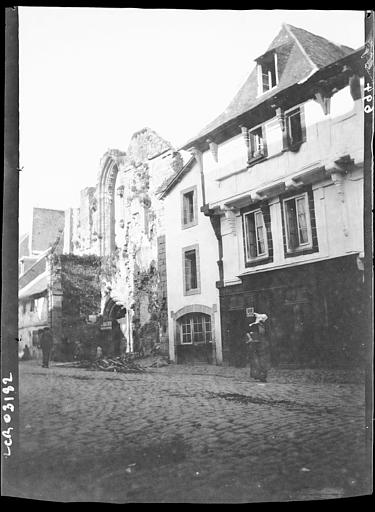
(267, 73)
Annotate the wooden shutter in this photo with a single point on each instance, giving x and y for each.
(250, 235)
(194, 280)
(257, 142)
(191, 206)
(264, 141)
(295, 127)
(190, 270)
(291, 220)
(260, 233)
(302, 219)
(265, 79)
(252, 144)
(187, 271)
(303, 123)
(185, 209)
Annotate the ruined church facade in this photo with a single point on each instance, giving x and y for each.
(121, 220)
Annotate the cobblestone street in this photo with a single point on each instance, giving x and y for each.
(188, 434)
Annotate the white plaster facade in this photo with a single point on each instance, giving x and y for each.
(328, 162)
(230, 184)
(177, 239)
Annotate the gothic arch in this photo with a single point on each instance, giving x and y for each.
(106, 214)
(113, 310)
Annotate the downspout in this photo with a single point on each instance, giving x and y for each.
(216, 226)
(197, 154)
(214, 217)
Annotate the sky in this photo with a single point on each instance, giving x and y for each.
(91, 77)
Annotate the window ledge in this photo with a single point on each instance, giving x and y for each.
(256, 160)
(196, 291)
(300, 252)
(260, 94)
(189, 225)
(259, 261)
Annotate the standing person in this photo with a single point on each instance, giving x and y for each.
(123, 347)
(258, 344)
(116, 337)
(46, 345)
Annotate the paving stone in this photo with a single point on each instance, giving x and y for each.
(189, 440)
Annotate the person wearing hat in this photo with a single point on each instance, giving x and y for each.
(258, 348)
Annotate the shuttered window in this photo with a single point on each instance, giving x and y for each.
(268, 73)
(255, 235)
(191, 270)
(295, 125)
(297, 222)
(303, 236)
(257, 143)
(188, 207)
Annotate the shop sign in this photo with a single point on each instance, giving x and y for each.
(106, 325)
(249, 312)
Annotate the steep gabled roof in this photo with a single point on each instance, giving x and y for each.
(299, 54)
(169, 183)
(321, 51)
(38, 286)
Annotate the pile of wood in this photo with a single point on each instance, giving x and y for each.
(112, 364)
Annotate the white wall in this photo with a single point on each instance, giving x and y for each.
(176, 239)
(328, 137)
(30, 321)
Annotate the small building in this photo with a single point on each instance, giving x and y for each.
(267, 215)
(34, 311)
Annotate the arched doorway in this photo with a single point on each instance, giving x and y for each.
(118, 321)
(194, 334)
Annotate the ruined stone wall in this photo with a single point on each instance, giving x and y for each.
(68, 232)
(86, 219)
(163, 294)
(125, 202)
(75, 294)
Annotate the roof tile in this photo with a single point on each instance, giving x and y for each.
(299, 52)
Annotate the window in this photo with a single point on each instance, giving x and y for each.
(188, 207)
(257, 143)
(267, 73)
(298, 228)
(191, 270)
(295, 127)
(24, 307)
(189, 216)
(32, 305)
(255, 235)
(195, 328)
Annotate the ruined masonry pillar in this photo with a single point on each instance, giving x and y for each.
(55, 297)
